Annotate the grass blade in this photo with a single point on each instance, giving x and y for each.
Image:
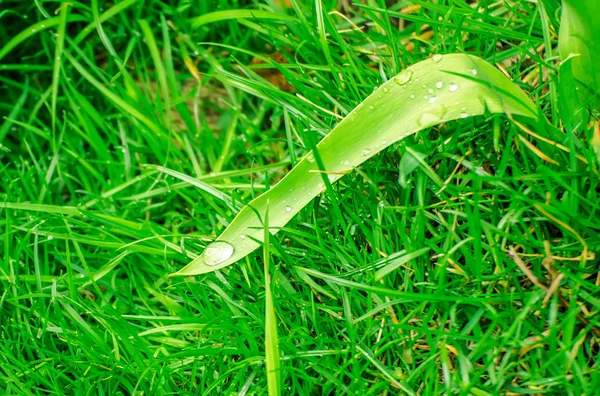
(238, 14)
(397, 262)
(271, 339)
(32, 30)
(429, 93)
(106, 15)
(116, 99)
(60, 42)
(103, 37)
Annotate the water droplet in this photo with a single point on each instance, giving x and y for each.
(288, 208)
(346, 163)
(371, 107)
(385, 89)
(439, 85)
(436, 58)
(310, 158)
(366, 152)
(243, 236)
(473, 71)
(403, 77)
(433, 99)
(50, 237)
(412, 96)
(430, 91)
(463, 115)
(452, 87)
(384, 143)
(217, 252)
(332, 178)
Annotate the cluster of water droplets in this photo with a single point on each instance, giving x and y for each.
(431, 94)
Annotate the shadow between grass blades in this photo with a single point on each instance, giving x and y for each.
(437, 90)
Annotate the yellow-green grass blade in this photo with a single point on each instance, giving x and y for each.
(434, 91)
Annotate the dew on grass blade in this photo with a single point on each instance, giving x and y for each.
(436, 58)
(403, 77)
(217, 252)
(400, 112)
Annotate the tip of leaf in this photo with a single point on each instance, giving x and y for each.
(193, 268)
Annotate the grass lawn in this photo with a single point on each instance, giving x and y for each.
(459, 260)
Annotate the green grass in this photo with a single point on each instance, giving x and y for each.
(134, 132)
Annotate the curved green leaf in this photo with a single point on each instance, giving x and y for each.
(431, 92)
(580, 38)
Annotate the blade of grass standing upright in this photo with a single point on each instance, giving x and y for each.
(429, 93)
(103, 37)
(60, 42)
(271, 339)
